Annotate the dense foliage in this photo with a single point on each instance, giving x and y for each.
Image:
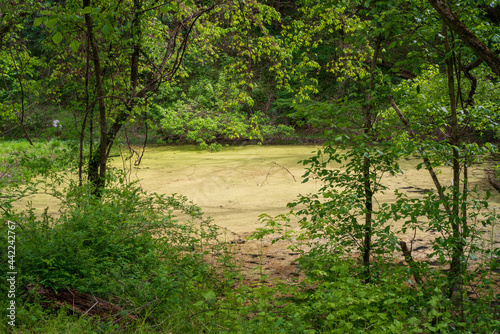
(374, 80)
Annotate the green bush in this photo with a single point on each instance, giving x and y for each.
(127, 246)
(125, 234)
(186, 123)
(212, 113)
(20, 161)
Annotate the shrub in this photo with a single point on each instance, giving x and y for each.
(128, 247)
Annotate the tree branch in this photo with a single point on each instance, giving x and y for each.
(427, 162)
(452, 21)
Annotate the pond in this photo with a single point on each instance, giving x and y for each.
(236, 185)
(233, 186)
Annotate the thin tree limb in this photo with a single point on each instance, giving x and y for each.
(427, 162)
(411, 262)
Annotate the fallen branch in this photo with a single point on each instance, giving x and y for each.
(494, 182)
(270, 169)
(79, 302)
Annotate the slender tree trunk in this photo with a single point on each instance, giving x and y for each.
(457, 244)
(21, 86)
(136, 36)
(19, 114)
(367, 179)
(98, 160)
(367, 243)
(87, 110)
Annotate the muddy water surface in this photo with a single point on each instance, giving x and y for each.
(238, 184)
(233, 186)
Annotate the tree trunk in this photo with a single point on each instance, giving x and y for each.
(367, 180)
(98, 160)
(456, 269)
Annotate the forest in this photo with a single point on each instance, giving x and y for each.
(378, 90)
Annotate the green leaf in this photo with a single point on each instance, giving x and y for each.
(51, 23)
(57, 38)
(106, 30)
(209, 295)
(74, 45)
(87, 10)
(165, 8)
(38, 21)
(393, 44)
(189, 3)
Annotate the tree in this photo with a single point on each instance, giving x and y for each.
(136, 46)
(343, 211)
(456, 149)
(342, 215)
(16, 62)
(224, 82)
(145, 40)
